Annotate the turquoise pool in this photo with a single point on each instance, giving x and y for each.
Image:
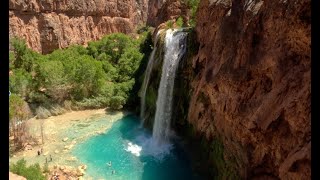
(132, 155)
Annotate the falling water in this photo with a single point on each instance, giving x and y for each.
(146, 79)
(175, 47)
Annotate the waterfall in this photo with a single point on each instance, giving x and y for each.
(175, 47)
(146, 79)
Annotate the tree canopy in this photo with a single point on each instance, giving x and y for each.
(102, 74)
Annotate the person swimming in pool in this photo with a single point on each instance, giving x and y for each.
(109, 164)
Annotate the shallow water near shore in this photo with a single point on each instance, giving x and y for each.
(129, 149)
(63, 132)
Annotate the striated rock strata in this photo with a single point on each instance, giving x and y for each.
(162, 11)
(47, 25)
(252, 86)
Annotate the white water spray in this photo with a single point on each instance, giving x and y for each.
(175, 47)
(147, 78)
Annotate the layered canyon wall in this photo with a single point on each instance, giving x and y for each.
(50, 24)
(160, 11)
(252, 89)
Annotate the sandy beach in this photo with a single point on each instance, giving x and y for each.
(62, 133)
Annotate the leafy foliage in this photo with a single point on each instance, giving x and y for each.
(20, 82)
(179, 22)
(102, 74)
(30, 172)
(169, 24)
(17, 107)
(193, 6)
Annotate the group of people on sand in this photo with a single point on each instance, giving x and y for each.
(41, 151)
(110, 164)
(49, 159)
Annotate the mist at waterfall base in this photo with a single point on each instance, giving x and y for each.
(132, 155)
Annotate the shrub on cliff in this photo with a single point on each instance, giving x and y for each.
(30, 172)
(193, 6)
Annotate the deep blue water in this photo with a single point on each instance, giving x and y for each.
(128, 147)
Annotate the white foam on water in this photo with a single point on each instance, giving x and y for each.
(133, 149)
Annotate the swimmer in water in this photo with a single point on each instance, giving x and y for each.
(113, 171)
(109, 164)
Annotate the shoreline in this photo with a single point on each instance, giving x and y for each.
(62, 133)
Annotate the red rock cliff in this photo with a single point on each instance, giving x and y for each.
(252, 87)
(161, 11)
(47, 25)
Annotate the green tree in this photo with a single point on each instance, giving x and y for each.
(12, 58)
(20, 82)
(19, 48)
(51, 78)
(117, 102)
(89, 77)
(129, 63)
(32, 172)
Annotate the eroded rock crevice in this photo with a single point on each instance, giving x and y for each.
(254, 66)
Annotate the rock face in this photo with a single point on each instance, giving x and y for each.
(47, 25)
(161, 11)
(252, 86)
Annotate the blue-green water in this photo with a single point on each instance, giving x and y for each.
(132, 154)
